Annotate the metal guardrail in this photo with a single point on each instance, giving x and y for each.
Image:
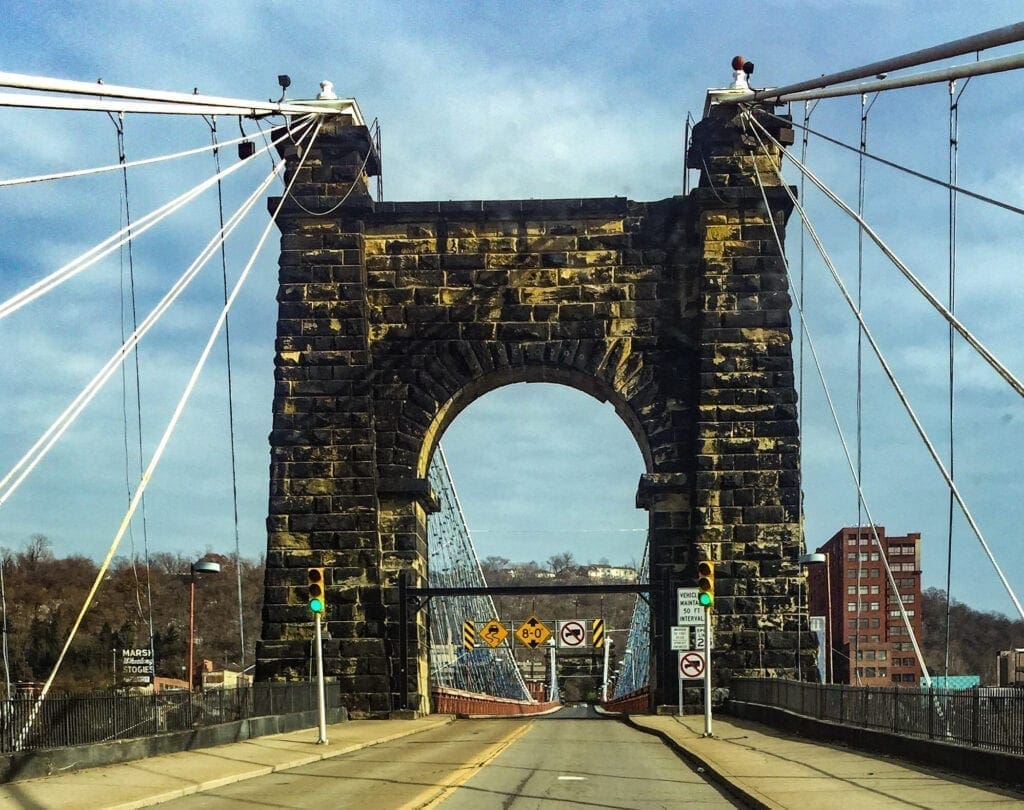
(977, 718)
(104, 716)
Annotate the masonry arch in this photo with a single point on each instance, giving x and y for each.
(571, 378)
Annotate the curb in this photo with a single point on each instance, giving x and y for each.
(266, 770)
(703, 766)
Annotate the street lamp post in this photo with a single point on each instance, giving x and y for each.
(199, 567)
(805, 560)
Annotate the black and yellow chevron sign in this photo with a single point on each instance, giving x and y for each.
(597, 632)
(468, 635)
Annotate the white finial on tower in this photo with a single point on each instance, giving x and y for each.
(326, 91)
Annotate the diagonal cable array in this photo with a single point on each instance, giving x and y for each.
(636, 662)
(453, 563)
(760, 131)
(165, 438)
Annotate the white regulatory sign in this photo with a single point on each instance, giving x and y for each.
(680, 637)
(689, 610)
(691, 665)
(572, 633)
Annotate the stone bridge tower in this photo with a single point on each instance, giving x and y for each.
(395, 316)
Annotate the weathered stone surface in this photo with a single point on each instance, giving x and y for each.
(395, 316)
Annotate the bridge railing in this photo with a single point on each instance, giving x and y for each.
(96, 717)
(981, 717)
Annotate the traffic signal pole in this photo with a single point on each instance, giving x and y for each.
(321, 697)
(707, 672)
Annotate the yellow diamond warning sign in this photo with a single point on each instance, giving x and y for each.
(533, 632)
(493, 633)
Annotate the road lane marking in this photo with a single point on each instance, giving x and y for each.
(572, 779)
(460, 775)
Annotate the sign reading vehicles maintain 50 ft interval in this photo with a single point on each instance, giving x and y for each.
(136, 667)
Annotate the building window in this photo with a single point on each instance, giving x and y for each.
(875, 639)
(874, 605)
(908, 597)
(863, 622)
(852, 556)
(876, 623)
(851, 607)
(875, 573)
(883, 672)
(851, 589)
(851, 573)
(869, 672)
(882, 654)
(852, 624)
(868, 654)
(851, 541)
(874, 589)
(874, 556)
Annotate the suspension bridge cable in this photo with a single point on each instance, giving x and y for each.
(9, 483)
(39, 178)
(808, 109)
(855, 470)
(193, 103)
(127, 247)
(965, 333)
(966, 192)
(111, 243)
(351, 188)
(865, 108)
(954, 137)
(165, 438)
(231, 404)
(977, 42)
(897, 388)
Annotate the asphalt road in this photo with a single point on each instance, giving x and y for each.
(479, 764)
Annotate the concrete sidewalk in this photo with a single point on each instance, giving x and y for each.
(157, 779)
(769, 769)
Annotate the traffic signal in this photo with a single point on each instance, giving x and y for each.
(706, 583)
(316, 590)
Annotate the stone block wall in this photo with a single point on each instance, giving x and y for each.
(395, 316)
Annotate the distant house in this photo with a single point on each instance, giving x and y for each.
(614, 573)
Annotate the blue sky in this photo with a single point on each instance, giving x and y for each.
(501, 100)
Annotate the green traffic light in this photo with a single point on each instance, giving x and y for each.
(316, 605)
(705, 599)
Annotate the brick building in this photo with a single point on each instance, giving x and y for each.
(872, 645)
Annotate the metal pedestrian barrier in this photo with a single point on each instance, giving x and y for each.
(981, 717)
